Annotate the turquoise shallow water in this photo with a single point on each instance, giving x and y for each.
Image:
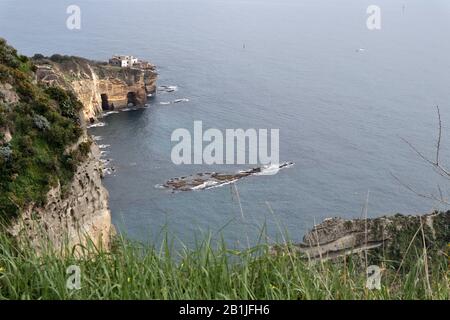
(292, 65)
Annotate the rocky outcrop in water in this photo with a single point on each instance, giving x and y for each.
(208, 180)
(97, 85)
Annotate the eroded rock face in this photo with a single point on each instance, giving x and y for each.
(79, 215)
(336, 237)
(8, 94)
(91, 80)
(5, 135)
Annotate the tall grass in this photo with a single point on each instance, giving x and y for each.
(135, 271)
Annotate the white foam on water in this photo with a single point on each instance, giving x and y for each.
(97, 138)
(97, 124)
(222, 184)
(181, 100)
(108, 113)
(104, 146)
(109, 171)
(165, 103)
(273, 169)
(168, 88)
(205, 185)
(105, 161)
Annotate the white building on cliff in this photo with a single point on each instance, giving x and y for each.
(123, 61)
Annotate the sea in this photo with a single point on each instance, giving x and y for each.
(354, 106)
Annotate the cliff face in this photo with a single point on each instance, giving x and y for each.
(97, 85)
(81, 212)
(388, 237)
(51, 192)
(72, 216)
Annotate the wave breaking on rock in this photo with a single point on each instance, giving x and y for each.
(209, 180)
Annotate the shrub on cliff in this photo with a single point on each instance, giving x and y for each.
(38, 56)
(8, 55)
(43, 123)
(5, 153)
(68, 104)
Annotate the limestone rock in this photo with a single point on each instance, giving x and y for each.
(74, 216)
(8, 94)
(336, 237)
(97, 84)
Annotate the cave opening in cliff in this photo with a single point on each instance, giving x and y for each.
(105, 102)
(132, 98)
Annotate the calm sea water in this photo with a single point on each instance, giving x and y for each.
(287, 64)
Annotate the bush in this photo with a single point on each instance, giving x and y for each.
(38, 56)
(60, 58)
(6, 153)
(41, 122)
(67, 102)
(8, 55)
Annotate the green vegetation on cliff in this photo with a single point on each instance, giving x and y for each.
(42, 122)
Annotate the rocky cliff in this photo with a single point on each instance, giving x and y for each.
(51, 192)
(389, 237)
(97, 85)
(73, 216)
